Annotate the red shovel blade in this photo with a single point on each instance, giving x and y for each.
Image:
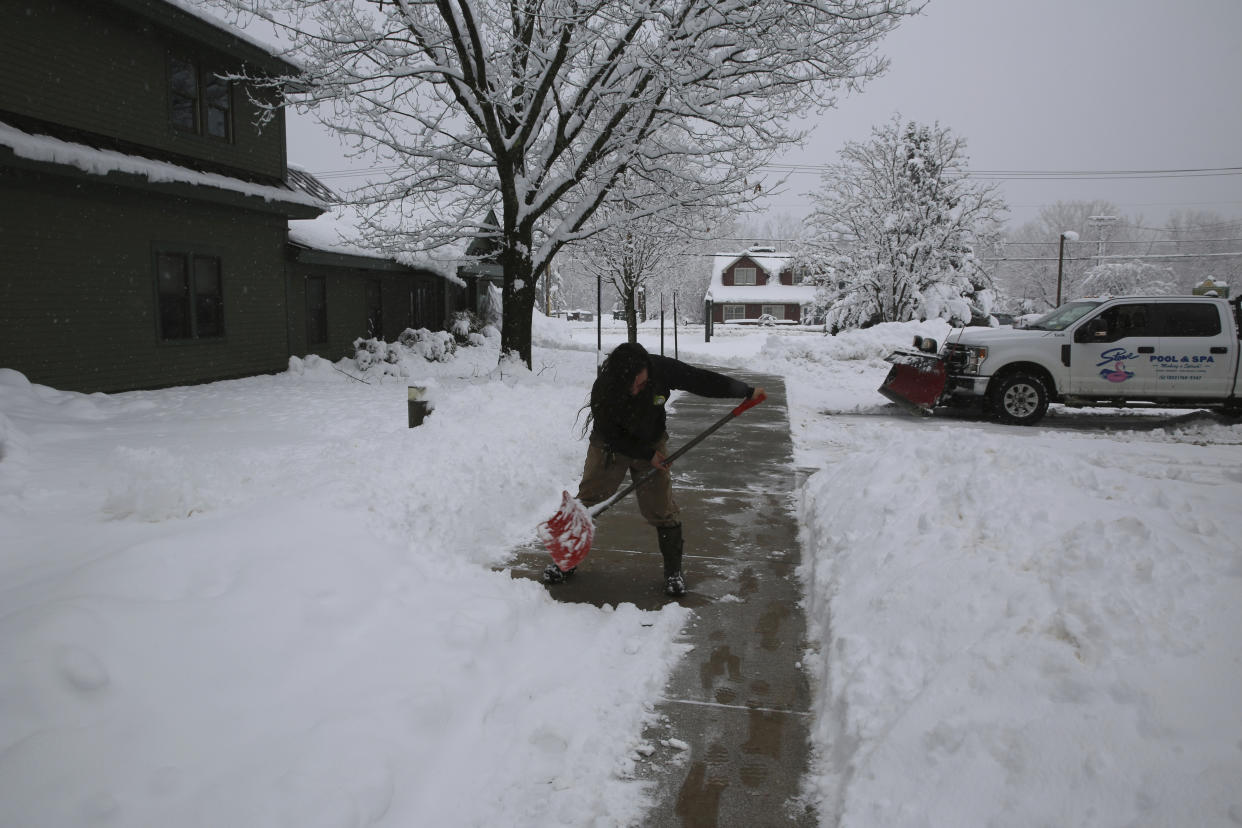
(568, 533)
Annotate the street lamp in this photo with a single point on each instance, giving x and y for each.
(1066, 235)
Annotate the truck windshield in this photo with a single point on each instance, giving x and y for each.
(1062, 317)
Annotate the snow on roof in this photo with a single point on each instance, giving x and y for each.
(337, 231)
(101, 162)
(272, 47)
(772, 263)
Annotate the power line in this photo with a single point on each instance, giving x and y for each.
(1049, 175)
(1113, 256)
(1124, 241)
(1218, 225)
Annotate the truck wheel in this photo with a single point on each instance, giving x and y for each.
(1019, 399)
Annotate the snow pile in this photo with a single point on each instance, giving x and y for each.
(268, 601)
(855, 345)
(1034, 631)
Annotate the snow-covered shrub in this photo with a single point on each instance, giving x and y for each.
(313, 367)
(375, 353)
(466, 328)
(433, 346)
(1128, 278)
(369, 352)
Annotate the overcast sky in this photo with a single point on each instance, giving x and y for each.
(1040, 85)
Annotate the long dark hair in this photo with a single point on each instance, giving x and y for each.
(616, 376)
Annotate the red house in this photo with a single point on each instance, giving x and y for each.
(760, 282)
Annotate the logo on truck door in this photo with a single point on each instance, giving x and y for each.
(1116, 357)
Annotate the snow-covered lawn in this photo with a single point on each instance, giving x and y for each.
(269, 602)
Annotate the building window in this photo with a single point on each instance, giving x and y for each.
(375, 309)
(201, 101)
(732, 312)
(774, 310)
(743, 275)
(191, 296)
(316, 310)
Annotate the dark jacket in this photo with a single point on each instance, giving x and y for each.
(635, 426)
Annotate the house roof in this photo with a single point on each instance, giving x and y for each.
(54, 154)
(772, 263)
(485, 249)
(186, 18)
(338, 232)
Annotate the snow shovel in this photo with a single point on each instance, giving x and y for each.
(917, 378)
(568, 534)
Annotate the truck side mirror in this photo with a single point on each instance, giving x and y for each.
(1097, 328)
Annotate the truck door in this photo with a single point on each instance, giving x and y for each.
(1111, 352)
(1196, 351)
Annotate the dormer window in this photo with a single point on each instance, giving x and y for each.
(201, 101)
(744, 275)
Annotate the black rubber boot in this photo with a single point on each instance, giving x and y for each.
(553, 574)
(670, 547)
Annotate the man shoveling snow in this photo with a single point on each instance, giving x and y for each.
(627, 421)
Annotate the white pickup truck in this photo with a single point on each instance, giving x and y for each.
(1161, 351)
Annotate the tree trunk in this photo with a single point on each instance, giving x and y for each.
(631, 317)
(519, 302)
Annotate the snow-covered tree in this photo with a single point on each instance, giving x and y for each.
(635, 256)
(1128, 278)
(538, 108)
(628, 258)
(895, 229)
(551, 290)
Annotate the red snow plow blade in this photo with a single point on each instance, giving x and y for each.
(916, 380)
(568, 534)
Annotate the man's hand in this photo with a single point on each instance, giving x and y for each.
(660, 461)
(758, 392)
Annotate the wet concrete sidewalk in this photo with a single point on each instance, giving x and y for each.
(739, 698)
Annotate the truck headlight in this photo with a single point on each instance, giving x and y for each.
(975, 356)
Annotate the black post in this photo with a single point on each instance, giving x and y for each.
(1060, 263)
(599, 321)
(675, 355)
(661, 323)
(707, 320)
(419, 407)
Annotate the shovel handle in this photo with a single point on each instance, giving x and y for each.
(746, 404)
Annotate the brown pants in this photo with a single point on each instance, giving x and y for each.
(601, 479)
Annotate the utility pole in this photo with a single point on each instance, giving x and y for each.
(1100, 222)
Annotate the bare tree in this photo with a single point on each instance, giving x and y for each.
(1205, 242)
(1028, 275)
(635, 255)
(896, 225)
(538, 108)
